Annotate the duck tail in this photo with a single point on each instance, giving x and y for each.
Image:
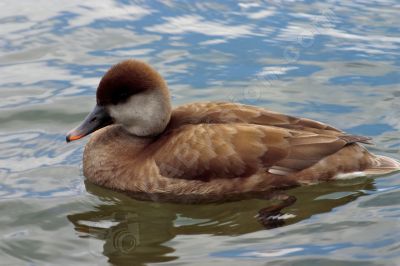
(383, 165)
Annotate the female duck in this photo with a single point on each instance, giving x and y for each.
(204, 152)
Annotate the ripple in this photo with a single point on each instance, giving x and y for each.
(197, 24)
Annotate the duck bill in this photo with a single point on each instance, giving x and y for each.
(97, 119)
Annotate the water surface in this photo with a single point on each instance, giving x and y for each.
(335, 61)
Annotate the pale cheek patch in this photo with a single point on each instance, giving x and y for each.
(344, 176)
(122, 113)
(143, 114)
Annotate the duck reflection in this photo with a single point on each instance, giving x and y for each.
(132, 230)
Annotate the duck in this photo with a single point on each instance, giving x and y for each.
(206, 152)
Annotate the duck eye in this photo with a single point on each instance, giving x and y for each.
(123, 94)
(120, 96)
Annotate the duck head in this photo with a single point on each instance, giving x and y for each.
(132, 94)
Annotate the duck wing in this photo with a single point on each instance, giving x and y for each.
(210, 151)
(225, 112)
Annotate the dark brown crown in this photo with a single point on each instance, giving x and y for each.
(126, 79)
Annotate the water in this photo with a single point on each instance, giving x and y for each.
(335, 61)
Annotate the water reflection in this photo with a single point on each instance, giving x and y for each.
(131, 230)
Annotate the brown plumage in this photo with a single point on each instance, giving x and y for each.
(211, 151)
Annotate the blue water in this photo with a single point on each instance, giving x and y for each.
(334, 61)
